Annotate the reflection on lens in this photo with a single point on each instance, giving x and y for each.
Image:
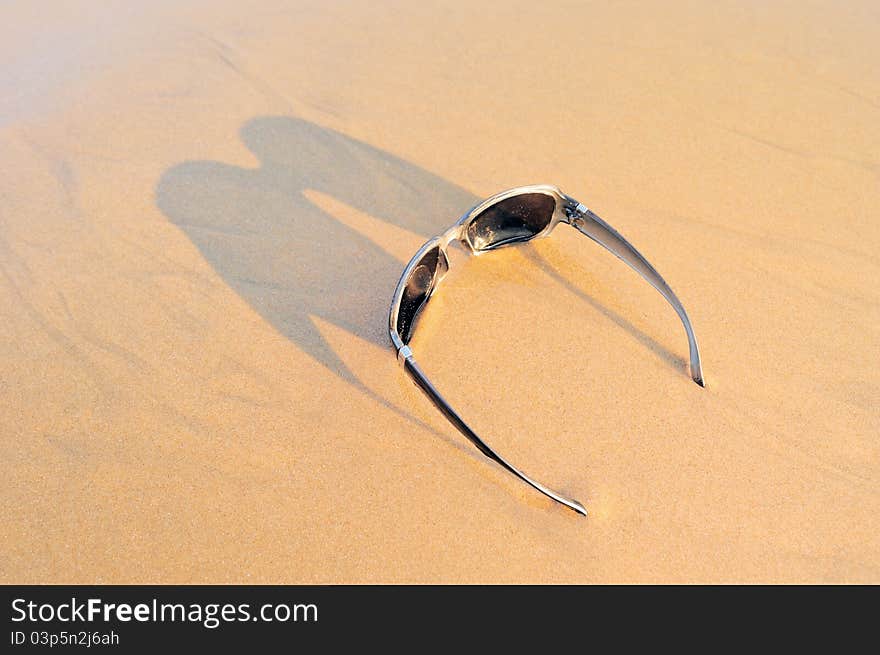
(417, 289)
(518, 218)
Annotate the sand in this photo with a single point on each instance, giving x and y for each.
(204, 209)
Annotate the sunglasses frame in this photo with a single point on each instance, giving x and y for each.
(566, 210)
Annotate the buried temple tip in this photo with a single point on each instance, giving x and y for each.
(577, 507)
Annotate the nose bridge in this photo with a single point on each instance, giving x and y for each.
(457, 232)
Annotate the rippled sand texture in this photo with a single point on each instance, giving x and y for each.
(204, 209)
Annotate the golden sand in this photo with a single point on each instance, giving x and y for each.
(204, 209)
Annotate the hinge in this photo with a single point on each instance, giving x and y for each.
(403, 353)
(575, 212)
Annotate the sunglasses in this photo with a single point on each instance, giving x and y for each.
(508, 218)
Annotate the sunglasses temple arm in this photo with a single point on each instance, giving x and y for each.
(588, 223)
(425, 385)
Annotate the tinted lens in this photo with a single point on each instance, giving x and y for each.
(418, 287)
(518, 218)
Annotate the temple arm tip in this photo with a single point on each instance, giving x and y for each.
(696, 367)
